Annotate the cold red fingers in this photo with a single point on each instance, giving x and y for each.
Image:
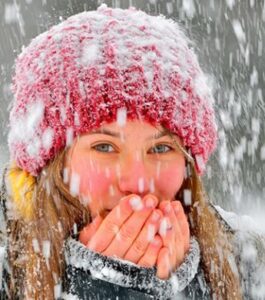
(130, 229)
(146, 236)
(149, 259)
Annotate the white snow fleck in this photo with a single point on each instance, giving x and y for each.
(85, 200)
(169, 6)
(189, 8)
(121, 116)
(68, 296)
(262, 152)
(230, 4)
(90, 53)
(111, 190)
(46, 247)
(76, 119)
(47, 138)
(260, 48)
(75, 228)
(226, 120)
(65, 175)
(254, 77)
(163, 227)
(34, 148)
(35, 113)
(150, 232)
(255, 125)
(199, 161)
(57, 290)
(69, 136)
(233, 265)
(62, 114)
(239, 32)
(25, 126)
(141, 184)
(187, 197)
(152, 185)
(158, 167)
(11, 13)
(74, 184)
(136, 203)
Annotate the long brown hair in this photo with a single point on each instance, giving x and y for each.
(35, 245)
(55, 212)
(215, 238)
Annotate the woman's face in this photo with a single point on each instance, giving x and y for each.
(107, 164)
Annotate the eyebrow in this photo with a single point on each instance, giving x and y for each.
(118, 135)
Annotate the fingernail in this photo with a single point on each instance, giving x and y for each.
(155, 216)
(136, 203)
(164, 226)
(150, 203)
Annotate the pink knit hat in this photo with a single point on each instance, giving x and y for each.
(82, 72)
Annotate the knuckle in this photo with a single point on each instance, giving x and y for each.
(139, 246)
(111, 227)
(127, 233)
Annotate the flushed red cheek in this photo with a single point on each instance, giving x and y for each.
(169, 181)
(94, 182)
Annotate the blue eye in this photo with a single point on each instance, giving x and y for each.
(161, 148)
(103, 148)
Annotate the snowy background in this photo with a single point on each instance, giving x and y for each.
(229, 37)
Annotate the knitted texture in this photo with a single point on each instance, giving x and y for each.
(83, 72)
(130, 275)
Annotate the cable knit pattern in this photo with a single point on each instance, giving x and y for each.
(127, 274)
(83, 72)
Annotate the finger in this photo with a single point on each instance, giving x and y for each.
(89, 230)
(149, 259)
(183, 223)
(130, 229)
(163, 264)
(173, 238)
(112, 223)
(147, 234)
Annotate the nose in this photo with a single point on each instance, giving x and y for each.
(134, 176)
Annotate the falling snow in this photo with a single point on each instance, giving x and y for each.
(230, 37)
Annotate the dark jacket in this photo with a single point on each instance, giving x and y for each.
(90, 275)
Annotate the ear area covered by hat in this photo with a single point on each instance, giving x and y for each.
(82, 72)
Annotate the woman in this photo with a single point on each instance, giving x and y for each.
(111, 126)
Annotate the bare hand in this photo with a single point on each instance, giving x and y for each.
(129, 231)
(138, 232)
(175, 234)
